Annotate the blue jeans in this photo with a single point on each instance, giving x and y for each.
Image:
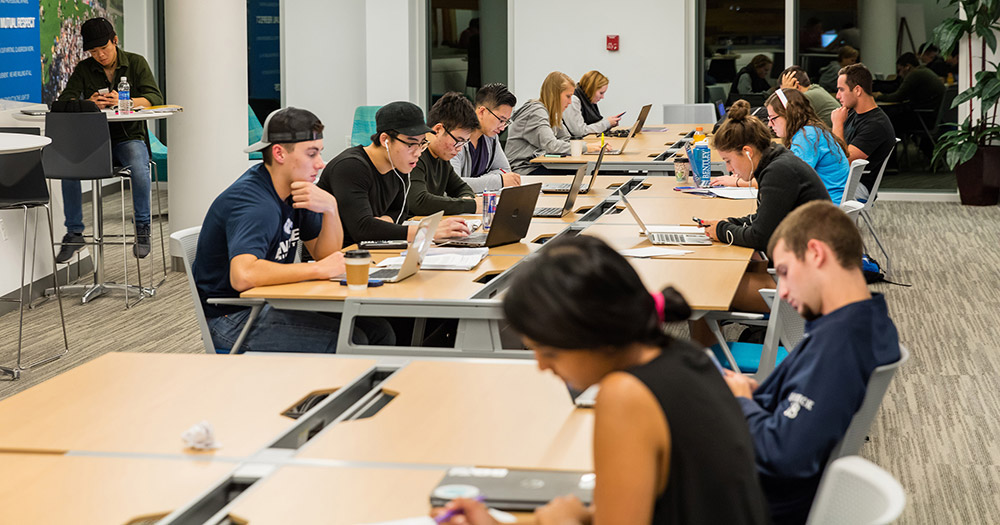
(295, 331)
(132, 154)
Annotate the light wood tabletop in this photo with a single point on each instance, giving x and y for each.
(505, 414)
(680, 211)
(705, 284)
(348, 496)
(643, 147)
(628, 236)
(47, 488)
(425, 284)
(141, 403)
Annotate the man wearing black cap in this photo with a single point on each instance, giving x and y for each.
(371, 182)
(103, 70)
(250, 236)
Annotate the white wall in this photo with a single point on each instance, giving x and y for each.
(650, 66)
(323, 64)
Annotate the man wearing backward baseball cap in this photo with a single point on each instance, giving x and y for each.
(371, 182)
(102, 72)
(250, 236)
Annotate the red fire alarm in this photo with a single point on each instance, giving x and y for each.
(612, 42)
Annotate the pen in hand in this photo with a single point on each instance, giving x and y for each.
(447, 515)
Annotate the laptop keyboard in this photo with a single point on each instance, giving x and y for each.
(677, 238)
(384, 273)
(563, 187)
(548, 212)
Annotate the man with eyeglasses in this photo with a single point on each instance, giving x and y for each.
(482, 163)
(371, 182)
(436, 186)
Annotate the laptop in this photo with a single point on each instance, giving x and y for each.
(619, 151)
(641, 121)
(567, 207)
(679, 235)
(563, 187)
(510, 222)
(414, 255)
(511, 489)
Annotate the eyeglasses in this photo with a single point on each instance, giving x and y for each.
(504, 122)
(770, 119)
(413, 146)
(459, 143)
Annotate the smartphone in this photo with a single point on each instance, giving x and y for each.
(620, 114)
(372, 283)
(103, 91)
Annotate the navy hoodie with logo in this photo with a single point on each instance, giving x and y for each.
(802, 410)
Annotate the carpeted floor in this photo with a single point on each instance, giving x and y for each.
(938, 426)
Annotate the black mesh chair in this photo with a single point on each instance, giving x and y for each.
(23, 186)
(81, 150)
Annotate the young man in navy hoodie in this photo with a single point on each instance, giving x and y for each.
(802, 410)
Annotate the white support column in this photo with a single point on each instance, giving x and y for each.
(877, 23)
(206, 59)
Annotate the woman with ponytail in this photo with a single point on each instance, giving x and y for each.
(670, 444)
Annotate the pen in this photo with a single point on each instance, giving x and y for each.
(451, 513)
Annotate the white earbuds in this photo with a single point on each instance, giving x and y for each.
(749, 157)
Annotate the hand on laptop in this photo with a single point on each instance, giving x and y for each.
(725, 180)
(451, 227)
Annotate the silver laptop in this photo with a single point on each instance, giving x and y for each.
(574, 190)
(414, 254)
(621, 150)
(696, 239)
(513, 490)
(563, 187)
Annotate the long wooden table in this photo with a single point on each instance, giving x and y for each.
(141, 403)
(504, 414)
(46, 488)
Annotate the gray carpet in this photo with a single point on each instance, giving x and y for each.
(937, 429)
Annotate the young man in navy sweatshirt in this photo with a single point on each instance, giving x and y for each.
(802, 410)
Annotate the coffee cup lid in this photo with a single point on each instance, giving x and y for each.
(357, 254)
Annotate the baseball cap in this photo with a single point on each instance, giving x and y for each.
(403, 117)
(96, 32)
(286, 126)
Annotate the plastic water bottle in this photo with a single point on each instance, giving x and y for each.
(124, 98)
(702, 169)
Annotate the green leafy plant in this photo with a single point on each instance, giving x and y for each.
(961, 144)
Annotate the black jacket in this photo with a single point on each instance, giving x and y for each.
(785, 183)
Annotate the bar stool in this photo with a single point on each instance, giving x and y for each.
(81, 150)
(23, 186)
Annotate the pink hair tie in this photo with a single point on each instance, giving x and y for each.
(660, 303)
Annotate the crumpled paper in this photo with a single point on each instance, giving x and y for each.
(201, 436)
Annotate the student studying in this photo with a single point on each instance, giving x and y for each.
(582, 117)
(538, 127)
(435, 185)
(669, 443)
(803, 409)
(251, 233)
(482, 163)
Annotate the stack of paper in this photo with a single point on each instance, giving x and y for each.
(443, 258)
(734, 193)
(653, 251)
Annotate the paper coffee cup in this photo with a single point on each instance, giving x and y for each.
(357, 263)
(576, 147)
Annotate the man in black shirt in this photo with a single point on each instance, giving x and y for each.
(862, 124)
(371, 182)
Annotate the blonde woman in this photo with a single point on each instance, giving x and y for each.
(582, 116)
(537, 127)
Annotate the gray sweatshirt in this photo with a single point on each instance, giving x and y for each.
(492, 178)
(573, 120)
(530, 136)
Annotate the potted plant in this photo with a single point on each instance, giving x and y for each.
(970, 149)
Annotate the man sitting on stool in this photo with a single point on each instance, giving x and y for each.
(103, 70)
(802, 410)
(252, 231)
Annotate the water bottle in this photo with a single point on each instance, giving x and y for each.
(124, 98)
(702, 169)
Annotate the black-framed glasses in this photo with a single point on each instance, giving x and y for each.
(503, 121)
(414, 146)
(459, 143)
